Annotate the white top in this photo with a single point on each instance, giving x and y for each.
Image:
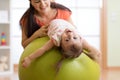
(56, 28)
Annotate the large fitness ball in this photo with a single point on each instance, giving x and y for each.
(43, 68)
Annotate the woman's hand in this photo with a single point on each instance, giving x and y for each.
(39, 33)
(42, 31)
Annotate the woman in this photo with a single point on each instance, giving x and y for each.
(35, 20)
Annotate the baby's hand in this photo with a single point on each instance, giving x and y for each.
(26, 62)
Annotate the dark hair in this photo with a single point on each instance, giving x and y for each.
(28, 21)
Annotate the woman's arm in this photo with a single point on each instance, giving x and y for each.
(26, 40)
(39, 33)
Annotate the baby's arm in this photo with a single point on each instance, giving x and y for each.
(27, 60)
(93, 52)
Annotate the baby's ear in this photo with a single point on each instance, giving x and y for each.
(80, 37)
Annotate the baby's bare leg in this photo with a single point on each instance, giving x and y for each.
(93, 52)
(93, 56)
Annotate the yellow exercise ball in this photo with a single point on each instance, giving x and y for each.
(43, 68)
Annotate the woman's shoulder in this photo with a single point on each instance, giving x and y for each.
(63, 14)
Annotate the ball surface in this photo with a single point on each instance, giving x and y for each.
(43, 68)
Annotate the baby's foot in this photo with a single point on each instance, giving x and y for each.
(26, 62)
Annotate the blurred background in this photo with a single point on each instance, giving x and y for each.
(97, 20)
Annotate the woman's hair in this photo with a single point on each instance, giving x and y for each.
(28, 21)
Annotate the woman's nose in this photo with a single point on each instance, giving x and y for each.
(42, 2)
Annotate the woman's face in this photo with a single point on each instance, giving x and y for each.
(70, 38)
(41, 5)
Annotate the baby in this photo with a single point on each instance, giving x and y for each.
(63, 34)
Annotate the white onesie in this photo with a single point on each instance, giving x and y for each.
(56, 28)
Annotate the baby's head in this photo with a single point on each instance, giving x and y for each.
(71, 43)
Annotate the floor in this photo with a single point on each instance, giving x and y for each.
(9, 77)
(106, 75)
(111, 74)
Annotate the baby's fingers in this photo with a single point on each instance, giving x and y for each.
(24, 64)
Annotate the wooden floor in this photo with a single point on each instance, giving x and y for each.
(106, 75)
(111, 74)
(9, 77)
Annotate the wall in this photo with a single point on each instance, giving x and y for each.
(86, 16)
(113, 33)
(18, 7)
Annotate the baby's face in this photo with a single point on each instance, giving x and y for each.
(70, 38)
